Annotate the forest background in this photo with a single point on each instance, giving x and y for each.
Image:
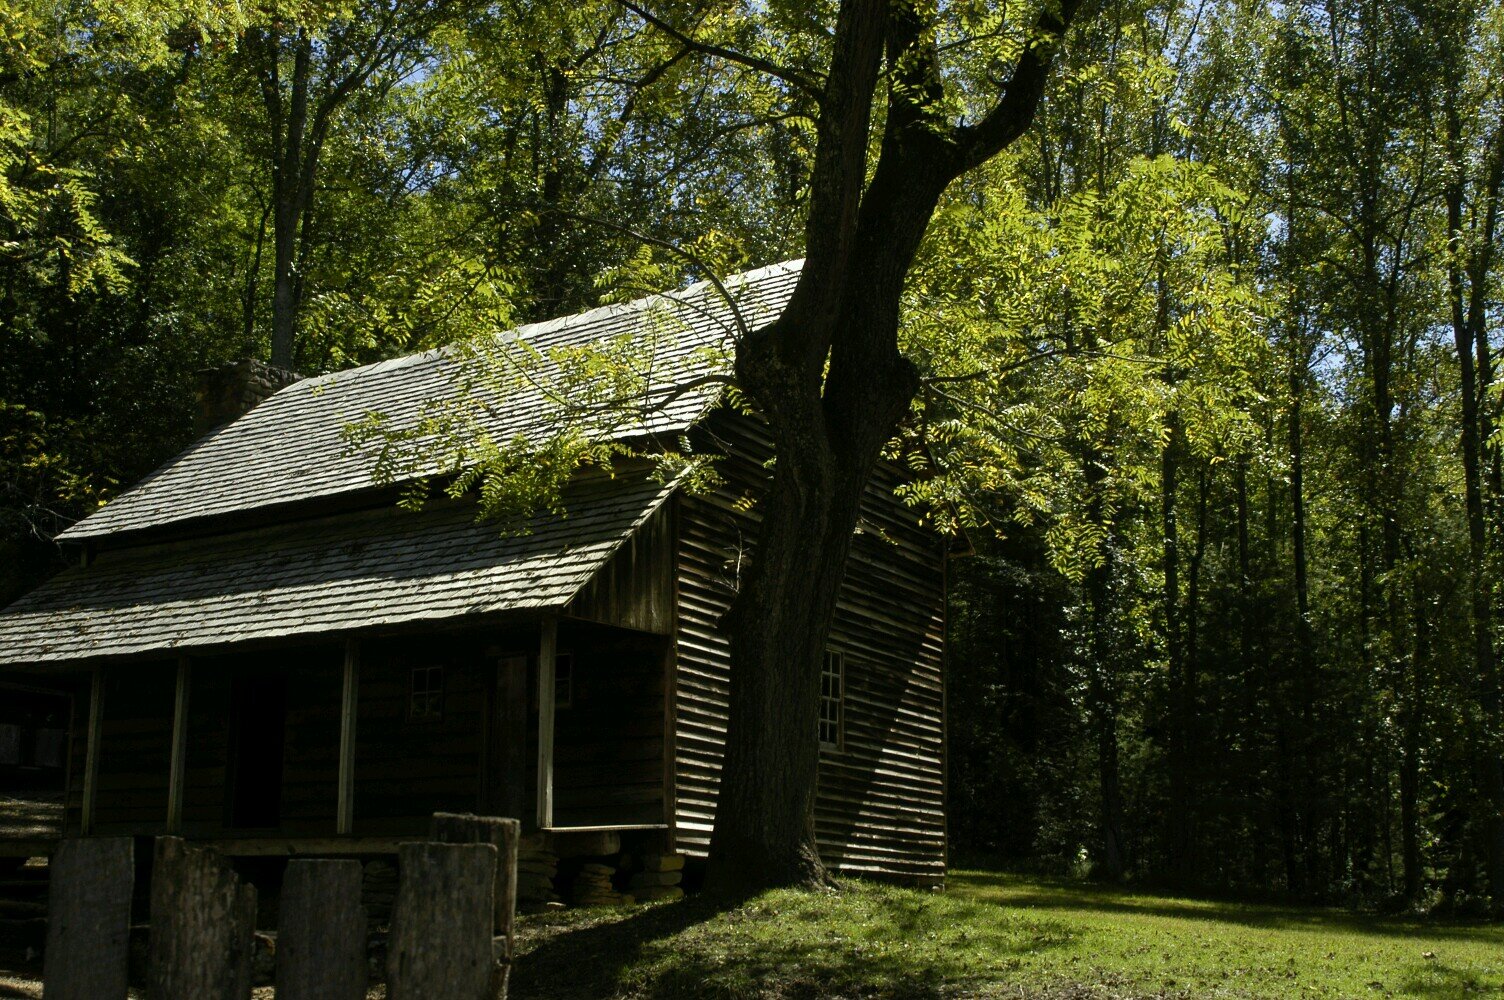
(1209, 356)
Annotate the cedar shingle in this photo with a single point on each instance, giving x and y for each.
(373, 568)
(291, 449)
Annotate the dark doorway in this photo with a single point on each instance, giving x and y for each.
(258, 727)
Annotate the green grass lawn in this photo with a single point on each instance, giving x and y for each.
(999, 935)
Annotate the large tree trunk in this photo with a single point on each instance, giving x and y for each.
(1300, 817)
(828, 378)
(284, 284)
(1414, 727)
(293, 171)
(1177, 730)
(764, 832)
(325, 75)
(1103, 709)
(764, 829)
(1469, 334)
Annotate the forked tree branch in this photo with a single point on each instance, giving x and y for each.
(1015, 109)
(794, 78)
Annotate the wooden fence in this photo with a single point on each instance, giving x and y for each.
(451, 932)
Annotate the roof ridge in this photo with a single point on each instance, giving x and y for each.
(293, 448)
(523, 331)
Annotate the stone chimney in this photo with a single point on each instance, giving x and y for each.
(224, 393)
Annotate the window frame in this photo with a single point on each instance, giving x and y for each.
(433, 695)
(838, 699)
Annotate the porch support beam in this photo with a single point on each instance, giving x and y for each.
(175, 775)
(91, 751)
(547, 648)
(344, 821)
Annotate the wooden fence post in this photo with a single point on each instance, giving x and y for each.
(321, 932)
(440, 942)
(202, 922)
(89, 920)
(464, 828)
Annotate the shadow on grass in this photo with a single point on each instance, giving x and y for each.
(876, 943)
(583, 953)
(1047, 894)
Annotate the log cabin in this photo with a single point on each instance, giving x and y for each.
(255, 646)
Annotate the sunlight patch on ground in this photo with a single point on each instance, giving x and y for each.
(996, 935)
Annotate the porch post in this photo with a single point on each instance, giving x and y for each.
(344, 820)
(91, 751)
(547, 645)
(179, 748)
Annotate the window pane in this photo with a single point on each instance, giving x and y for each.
(830, 700)
(426, 697)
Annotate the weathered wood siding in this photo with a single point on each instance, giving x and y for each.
(310, 763)
(407, 769)
(207, 752)
(135, 743)
(881, 803)
(310, 746)
(404, 770)
(635, 588)
(608, 744)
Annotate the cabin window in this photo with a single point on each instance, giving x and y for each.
(425, 702)
(832, 695)
(564, 680)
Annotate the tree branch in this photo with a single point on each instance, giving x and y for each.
(738, 317)
(1015, 110)
(794, 78)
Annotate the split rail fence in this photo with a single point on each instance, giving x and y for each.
(451, 932)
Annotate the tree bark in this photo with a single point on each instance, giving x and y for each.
(291, 163)
(828, 378)
(321, 932)
(1305, 640)
(89, 919)
(1414, 727)
(1177, 729)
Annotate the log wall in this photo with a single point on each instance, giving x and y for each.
(136, 737)
(881, 803)
(407, 769)
(608, 743)
(609, 756)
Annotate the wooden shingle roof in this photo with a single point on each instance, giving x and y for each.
(376, 568)
(291, 449)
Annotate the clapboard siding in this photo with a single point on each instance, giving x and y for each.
(881, 800)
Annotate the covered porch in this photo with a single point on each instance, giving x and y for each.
(325, 686)
(350, 747)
